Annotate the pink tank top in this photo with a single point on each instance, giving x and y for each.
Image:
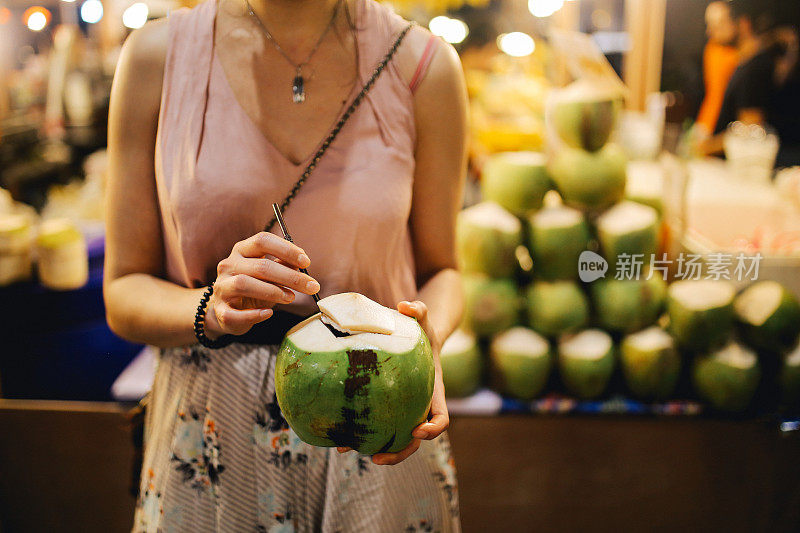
(217, 174)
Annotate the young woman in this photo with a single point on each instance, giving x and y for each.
(215, 113)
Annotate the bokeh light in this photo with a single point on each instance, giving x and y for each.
(544, 8)
(451, 30)
(92, 11)
(36, 18)
(516, 44)
(135, 16)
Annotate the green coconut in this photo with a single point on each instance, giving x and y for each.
(700, 313)
(650, 363)
(556, 307)
(628, 305)
(728, 377)
(586, 362)
(790, 378)
(768, 316)
(366, 391)
(516, 181)
(520, 363)
(628, 229)
(557, 237)
(491, 305)
(462, 364)
(645, 184)
(589, 180)
(584, 115)
(487, 237)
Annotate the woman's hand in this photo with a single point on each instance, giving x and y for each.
(257, 275)
(439, 419)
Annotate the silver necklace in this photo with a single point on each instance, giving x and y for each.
(298, 83)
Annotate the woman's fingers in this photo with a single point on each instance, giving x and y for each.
(416, 309)
(265, 243)
(394, 458)
(238, 321)
(433, 428)
(241, 286)
(439, 418)
(274, 272)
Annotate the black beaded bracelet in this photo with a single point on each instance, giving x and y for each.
(200, 324)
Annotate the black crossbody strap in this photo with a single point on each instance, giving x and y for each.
(340, 124)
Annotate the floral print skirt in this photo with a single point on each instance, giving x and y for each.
(220, 457)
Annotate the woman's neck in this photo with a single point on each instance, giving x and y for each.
(294, 22)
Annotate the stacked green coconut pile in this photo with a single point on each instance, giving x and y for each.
(541, 328)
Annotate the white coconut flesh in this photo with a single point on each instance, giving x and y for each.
(645, 179)
(590, 345)
(699, 295)
(651, 339)
(736, 356)
(521, 341)
(351, 312)
(586, 91)
(491, 215)
(458, 342)
(557, 217)
(626, 217)
(523, 159)
(759, 301)
(311, 335)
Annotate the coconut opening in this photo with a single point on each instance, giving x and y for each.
(528, 159)
(588, 91)
(351, 312)
(459, 342)
(590, 344)
(759, 301)
(557, 217)
(491, 215)
(626, 217)
(312, 335)
(651, 339)
(737, 356)
(699, 295)
(521, 341)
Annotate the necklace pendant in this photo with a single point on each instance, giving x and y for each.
(298, 90)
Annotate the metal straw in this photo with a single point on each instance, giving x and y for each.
(279, 216)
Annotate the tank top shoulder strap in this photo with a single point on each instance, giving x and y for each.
(424, 63)
(185, 88)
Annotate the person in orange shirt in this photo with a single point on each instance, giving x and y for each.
(720, 59)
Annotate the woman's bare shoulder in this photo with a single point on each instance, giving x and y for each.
(144, 55)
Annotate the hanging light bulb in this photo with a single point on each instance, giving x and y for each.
(92, 11)
(135, 16)
(516, 44)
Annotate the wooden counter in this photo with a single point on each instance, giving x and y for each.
(66, 466)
